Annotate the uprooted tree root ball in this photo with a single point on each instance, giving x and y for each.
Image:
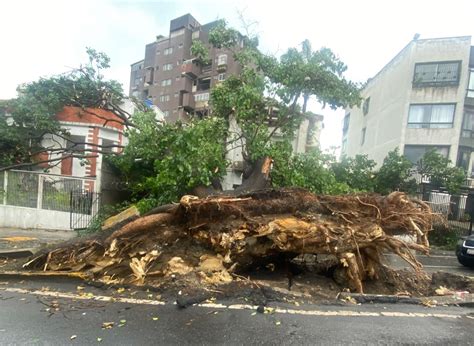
(209, 241)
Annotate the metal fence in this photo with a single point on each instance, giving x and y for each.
(451, 207)
(51, 192)
(83, 206)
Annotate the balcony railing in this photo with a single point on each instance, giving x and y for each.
(191, 68)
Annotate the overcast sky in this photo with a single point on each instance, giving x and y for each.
(40, 38)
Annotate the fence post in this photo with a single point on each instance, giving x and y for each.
(39, 198)
(5, 187)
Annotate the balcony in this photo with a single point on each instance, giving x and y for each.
(185, 84)
(221, 68)
(149, 75)
(188, 102)
(191, 68)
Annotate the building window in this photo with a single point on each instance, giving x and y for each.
(178, 77)
(76, 143)
(437, 73)
(108, 146)
(164, 98)
(464, 156)
(344, 145)
(166, 113)
(137, 67)
(204, 84)
(431, 116)
(168, 51)
(365, 107)
(221, 77)
(345, 126)
(415, 153)
(470, 87)
(362, 136)
(201, 97)
(176, 94)
(468, 124)
(180, 45)
(222, 59)
(158, 52)
(167, 67)
(166, 82)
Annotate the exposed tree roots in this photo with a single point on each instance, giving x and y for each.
(210, 239)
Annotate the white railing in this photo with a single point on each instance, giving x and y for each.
(41, 190)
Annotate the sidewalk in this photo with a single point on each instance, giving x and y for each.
(22, 242)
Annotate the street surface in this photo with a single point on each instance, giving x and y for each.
(42, 312)
(437, 261)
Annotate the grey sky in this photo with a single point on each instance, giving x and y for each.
(45, 37)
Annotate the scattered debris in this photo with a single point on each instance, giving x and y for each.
(18, 239)
(108, 325)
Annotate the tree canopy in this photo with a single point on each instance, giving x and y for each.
(26, 119)
(266, 93)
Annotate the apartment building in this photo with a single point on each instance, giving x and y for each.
(422, 99)
(174, 81)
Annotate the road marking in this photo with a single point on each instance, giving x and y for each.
(83, 297)
(343, 313)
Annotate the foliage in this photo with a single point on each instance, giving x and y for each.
(164, 161)
(263, 98)
(356, 172)
(310, 170)
(395, 174)
(444, 238)
(306, 72)
(222, 36)
(25, 120)
(439, 170)
(200, 51)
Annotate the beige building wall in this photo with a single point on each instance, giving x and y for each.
(392, 91)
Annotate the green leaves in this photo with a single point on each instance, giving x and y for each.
(356, 172)
(201, 52)
(311, 171)
(440, 171)
(164, 161)
(223, 37)
(264, 97)
(31, 115)
(395, 174)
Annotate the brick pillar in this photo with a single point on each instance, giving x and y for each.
(91, 168)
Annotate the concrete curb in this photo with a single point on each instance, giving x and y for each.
(17, 253)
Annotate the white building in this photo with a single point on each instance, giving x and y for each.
(422, 99)
(307, 137)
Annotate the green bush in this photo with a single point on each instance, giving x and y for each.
(395, 174)
(443, 237)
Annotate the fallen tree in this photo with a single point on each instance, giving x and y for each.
(211, 239)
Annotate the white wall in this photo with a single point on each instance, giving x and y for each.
(26, 218)
(391, 93)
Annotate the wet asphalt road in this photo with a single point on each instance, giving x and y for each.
(40, 319)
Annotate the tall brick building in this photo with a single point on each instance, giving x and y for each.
(171, 79)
